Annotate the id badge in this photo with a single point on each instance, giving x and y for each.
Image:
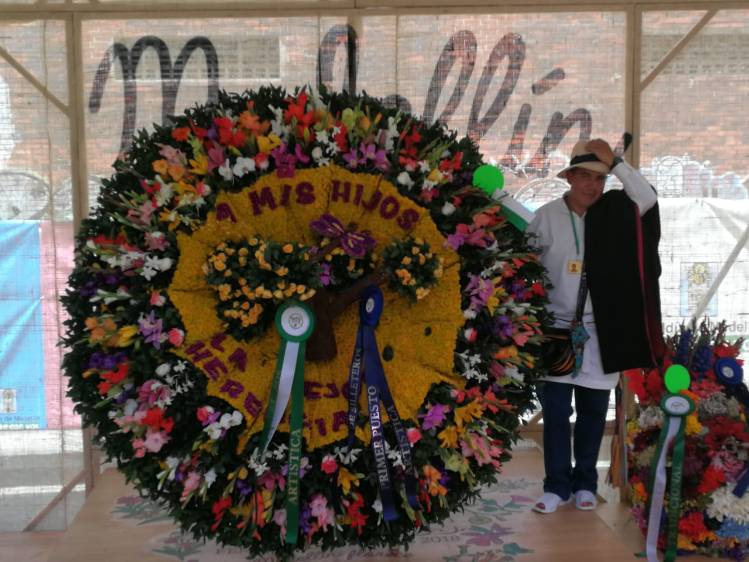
(574, 267)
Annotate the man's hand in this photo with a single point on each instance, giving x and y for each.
(602, 150)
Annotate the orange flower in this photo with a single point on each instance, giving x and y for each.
(181, 133)
(253, 123)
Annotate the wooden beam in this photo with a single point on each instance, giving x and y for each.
(683, 42)
(31, 79)
(66, 489)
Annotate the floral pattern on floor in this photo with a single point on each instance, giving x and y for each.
(482, 533)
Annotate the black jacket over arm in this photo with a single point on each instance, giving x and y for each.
(623, 267)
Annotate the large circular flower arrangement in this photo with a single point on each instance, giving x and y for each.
(216, 227)
(713, 515)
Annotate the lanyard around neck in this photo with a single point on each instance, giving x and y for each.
(574, 231)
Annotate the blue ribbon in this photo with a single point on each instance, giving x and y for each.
(741, 486)
(367, 355)
(728, 371)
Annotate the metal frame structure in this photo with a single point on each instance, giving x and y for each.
(74, 13)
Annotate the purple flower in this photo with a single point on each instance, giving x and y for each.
(352, 158)
(480, 290)
(105, 362)
(370, 152)
(285, 162)
(502, 327)
(304, 518)
(434, 417)
(150, 328)
(325, 274)
(355, 244)
(300, 156)
(244, 488)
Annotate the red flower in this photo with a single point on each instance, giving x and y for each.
(724, 350)
(538, 289)
(693, 526)
(453, 164)
(199, 132)
(636, 383)
(155, 419)
(341, 139)
(111, 378)
(218, 509)
(712, 479)
(410, 142)
(296, 110)
(358, 519)
(654, 385)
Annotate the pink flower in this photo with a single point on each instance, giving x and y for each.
(157, 299)
(217, 157)
(205, 413)
(476, 446)
(152, 392)
(155, 440)
(176, 336)
(413, 435)
(139, 448)
(279, 518)
(270, 479)
(191, 483)
(319, 508)
(156, 241)
(329, 464)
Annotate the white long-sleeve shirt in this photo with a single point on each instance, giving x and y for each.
(552, 227)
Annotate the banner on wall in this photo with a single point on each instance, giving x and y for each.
(22, 389)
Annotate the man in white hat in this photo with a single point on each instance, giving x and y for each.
(610, 241)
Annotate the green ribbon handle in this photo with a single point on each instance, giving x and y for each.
(295, 323)
(675, 407)
(674, 498)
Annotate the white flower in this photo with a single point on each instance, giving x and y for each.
(165, 192)
(243, 166)
(391, 133)
(277, 124)
(377, 504)
(322, 138)
(210, 477)
(225, 172)
(726, 504)
(346, 456)
(214, 431)
(256, 464)
(395, 456)
(405, 179)
(231, 420)
(652, 416)
(513, 373)
(180, 366)
(448, 208)
(280, 452)
(163, 369)
(153, 265)
(469, 314)
(130, 407)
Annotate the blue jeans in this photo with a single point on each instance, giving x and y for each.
(591, 404)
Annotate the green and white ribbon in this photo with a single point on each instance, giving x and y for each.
(676, 407)
(294, 322)
(516, 213)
